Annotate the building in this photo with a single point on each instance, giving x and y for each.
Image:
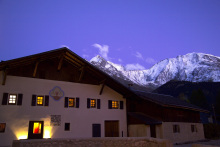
(57, 94)
(163, 116)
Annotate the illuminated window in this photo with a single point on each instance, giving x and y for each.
(71, 102)
(176, 129)
(2, 127)
(92, 103)
(37, 128)
(115, 104)
(40, 100)
(12, 99)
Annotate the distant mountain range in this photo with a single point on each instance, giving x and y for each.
(193, 67)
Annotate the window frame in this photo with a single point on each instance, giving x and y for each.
(176, 128)
(9, 99)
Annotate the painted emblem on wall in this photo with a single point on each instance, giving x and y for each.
(56, 93)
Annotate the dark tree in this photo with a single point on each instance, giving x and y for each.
(217, 104)
(198, 98)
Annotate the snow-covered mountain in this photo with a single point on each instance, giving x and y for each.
(194, 67)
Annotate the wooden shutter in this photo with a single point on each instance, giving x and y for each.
(20, 96)
(98, 103)
(33, 103)
(5, 99)
(110, 104)
(46, 100)
(66, 102)
(121, 105)
(77, 102)
(88, 102)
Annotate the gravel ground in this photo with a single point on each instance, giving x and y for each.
(205, 142)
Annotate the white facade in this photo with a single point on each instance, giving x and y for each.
(166, 131)
(17, 117)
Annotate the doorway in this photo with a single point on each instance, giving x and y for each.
(153, 131)
(36, 129)
(96, 130)
(111, 128)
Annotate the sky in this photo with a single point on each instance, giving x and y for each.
(134, 33)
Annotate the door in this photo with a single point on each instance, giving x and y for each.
(111, 128)
(153, 131)
(36, 129)
(96, 130)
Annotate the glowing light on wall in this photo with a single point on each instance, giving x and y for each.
(21, 133)
(22, 136)
(47, 132)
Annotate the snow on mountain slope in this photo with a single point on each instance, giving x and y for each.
(195, 67)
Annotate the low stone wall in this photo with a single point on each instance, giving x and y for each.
(202, 145)
(94, 142)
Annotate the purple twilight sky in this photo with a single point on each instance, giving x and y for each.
(134, 33)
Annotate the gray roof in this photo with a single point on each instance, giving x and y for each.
(167, 100)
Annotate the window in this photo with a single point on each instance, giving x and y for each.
(93, 103)
(193, 128)
(37, 128)
(71, 102)
(12, 99)
(40, 100)
(115, 104)
(2, 127)
(67, 127)
(176, 129)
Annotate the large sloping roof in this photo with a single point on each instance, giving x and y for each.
(167, 101)
(73, 59)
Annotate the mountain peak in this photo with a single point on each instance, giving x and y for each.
(193, 67)
(98, 59)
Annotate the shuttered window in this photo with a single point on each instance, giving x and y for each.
(71, 102)
(93, 103)
(39, 100)
(12, 99)
(115, 104)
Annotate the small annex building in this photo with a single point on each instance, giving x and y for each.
(165, 117)
(57, 94)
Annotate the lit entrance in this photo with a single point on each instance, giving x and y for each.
(36, 129)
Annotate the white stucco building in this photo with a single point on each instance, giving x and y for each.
(69, 99)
